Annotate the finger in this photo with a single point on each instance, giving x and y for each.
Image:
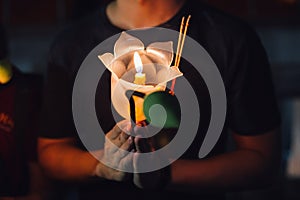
(117, 142)
(118, 157)
(126, 163)
(117, 149)
(109, 147)
(125, 126)
(128, 145)
(122, 126)
(114, 132)
(122, 138)
(122, 151)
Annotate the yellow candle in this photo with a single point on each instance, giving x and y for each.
(139, 78)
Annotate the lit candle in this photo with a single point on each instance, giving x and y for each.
(139, 78)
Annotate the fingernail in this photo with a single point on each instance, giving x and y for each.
(128, 128)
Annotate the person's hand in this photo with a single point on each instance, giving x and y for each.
(116, 156)
(149, 180)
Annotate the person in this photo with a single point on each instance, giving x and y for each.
(20, 103)
(252, 118)
(10, 160)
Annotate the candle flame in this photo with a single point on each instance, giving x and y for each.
(138, 63)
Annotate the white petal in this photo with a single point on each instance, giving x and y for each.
(106, 59)
(165, 75)
(161, 52)
(118, 68)
(127, 43)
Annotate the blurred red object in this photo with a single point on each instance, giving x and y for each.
(289, 2)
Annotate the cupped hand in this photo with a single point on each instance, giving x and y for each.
(116, 158)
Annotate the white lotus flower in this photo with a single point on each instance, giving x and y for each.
(156, 59)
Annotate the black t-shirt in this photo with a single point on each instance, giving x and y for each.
(232, 44)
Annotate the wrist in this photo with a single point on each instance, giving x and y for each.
(99, 171)
(99, 167)
(103, 172)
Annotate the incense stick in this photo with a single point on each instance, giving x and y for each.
(181, 40)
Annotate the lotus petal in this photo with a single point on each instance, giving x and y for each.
(127, 43)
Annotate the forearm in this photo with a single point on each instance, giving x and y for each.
(235, 170)
(66, 162)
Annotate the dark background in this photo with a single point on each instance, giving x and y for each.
(31, 26)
